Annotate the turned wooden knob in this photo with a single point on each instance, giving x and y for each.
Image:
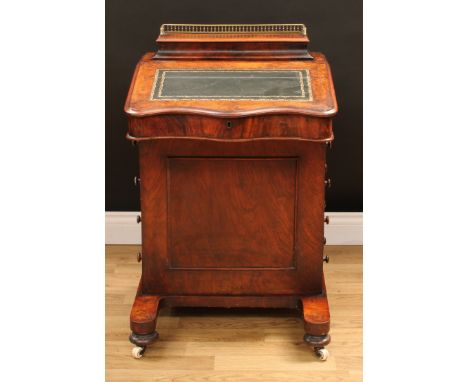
(324, 240)
(138, 218)
(136, 180)
(326, 259)
(328, 183)
(326, 220)
(139, 256)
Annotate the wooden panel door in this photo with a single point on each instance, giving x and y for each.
(241, 218)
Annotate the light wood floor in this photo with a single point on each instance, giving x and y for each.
(235, 345)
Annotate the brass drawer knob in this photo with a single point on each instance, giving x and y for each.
(139, 256)
(136, 180)
(328, 183)
(326, 259)
(326, 220)
(138, 218)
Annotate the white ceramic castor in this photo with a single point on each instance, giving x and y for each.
(137, 352)
(322, 354)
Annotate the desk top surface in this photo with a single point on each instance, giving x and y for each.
(228, 88)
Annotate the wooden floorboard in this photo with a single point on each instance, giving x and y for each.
(198, 344)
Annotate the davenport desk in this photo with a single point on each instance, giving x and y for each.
(232, 124)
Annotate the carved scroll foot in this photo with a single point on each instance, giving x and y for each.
(317, 322)
(143, 323)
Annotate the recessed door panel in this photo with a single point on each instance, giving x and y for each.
(231, 212)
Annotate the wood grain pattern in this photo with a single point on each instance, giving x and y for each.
(144, 314)
(202, 344)
(222, 211)
(316, 315)
(269, 127)
(306, 275)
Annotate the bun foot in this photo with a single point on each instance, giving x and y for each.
(317, 341)
(143, 340)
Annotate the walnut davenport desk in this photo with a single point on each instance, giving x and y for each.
(232, 124)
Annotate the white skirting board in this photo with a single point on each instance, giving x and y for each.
(345, 228)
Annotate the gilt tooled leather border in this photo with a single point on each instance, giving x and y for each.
(158, 91)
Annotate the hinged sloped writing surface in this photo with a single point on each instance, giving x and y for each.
(219, 88)
(215, 84)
